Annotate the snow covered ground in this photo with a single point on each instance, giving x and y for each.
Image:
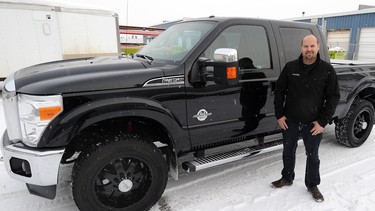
(348, 184)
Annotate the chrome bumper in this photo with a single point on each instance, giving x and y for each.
(31, 165)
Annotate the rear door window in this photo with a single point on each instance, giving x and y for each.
(291, 39)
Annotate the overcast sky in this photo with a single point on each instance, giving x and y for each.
(151, 12)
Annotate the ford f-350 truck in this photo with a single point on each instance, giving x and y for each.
(128, 122)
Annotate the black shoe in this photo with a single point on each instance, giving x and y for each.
(280, 183)
(316, 194)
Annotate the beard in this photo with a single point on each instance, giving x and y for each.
(309, 56)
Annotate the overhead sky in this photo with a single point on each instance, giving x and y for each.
(151, 12)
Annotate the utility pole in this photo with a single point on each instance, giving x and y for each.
(127, 11)
(126, 22)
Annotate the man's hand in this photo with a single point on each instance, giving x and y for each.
(316, 129)
(282, 123)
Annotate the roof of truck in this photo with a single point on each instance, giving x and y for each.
(224, 19)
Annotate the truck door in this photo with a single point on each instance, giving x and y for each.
(230, 113)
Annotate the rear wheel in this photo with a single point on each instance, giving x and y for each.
(354, 129)
(121, 174)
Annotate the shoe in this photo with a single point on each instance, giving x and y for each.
(280, 183)
(318, 197)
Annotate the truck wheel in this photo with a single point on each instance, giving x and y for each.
(354, 129)
(120, 174)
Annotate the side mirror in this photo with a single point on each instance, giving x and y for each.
(226, 66)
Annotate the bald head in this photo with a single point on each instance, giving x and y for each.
(310, 37)
(309, 49)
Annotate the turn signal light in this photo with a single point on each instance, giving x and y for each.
(49, 113)
(231, 73)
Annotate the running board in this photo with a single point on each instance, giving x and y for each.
(227, 157)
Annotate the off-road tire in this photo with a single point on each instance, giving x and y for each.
(123, 173)
(354, 129)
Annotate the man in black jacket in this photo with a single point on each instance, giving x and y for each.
(306, 97)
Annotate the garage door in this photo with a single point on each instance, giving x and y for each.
(338, 39)
(366, 48)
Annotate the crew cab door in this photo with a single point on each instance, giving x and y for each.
(217, 112)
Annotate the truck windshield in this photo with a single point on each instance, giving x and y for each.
(177, 41)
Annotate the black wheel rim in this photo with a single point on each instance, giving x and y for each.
(122, 182)
(361, 124)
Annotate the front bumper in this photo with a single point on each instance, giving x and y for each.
(36, 167)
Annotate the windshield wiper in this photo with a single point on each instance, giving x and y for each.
(149, 59)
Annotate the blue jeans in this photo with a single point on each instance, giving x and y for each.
(291, 136)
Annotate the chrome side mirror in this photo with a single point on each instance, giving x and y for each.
(225, 55)
(226, 66)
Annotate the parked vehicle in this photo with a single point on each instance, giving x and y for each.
(181, 101)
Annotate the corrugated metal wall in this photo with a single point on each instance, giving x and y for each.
(352, 22)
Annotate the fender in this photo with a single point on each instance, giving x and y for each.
(63, 129)
(344, 106)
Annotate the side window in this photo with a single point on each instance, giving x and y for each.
(291, 38)
(250, 42)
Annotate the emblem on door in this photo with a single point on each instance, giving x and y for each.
(202, 115)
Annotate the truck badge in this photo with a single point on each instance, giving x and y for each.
(202, 115)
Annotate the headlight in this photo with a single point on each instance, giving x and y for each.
(35, 113)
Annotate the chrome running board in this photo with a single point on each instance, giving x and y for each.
(223, 158)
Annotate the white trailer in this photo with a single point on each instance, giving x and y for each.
(34, 32)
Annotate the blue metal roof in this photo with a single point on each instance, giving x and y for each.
(351, 21)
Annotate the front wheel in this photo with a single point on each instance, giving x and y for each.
(354, 129)
(121, 174)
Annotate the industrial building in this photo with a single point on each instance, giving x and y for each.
(133, 38)
(352, 33)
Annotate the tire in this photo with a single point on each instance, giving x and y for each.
(354, 129)
(120, 174)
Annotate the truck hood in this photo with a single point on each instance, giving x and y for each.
(78, 75)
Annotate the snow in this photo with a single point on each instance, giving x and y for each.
(348, 184)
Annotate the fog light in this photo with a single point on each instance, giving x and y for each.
(20, 167)
(26, 167)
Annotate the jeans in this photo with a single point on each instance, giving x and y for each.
(291, 136)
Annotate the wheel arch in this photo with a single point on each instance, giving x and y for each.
(78, 128)
(368, 94)
(366, 91)
(151, 130)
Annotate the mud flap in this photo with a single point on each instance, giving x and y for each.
(48, 192)
(173, 167)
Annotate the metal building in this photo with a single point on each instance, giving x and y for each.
(350, 32)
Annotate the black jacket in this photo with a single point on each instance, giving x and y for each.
(307, 93)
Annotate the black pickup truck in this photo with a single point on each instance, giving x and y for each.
(177, 105)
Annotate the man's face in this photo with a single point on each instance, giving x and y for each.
(309, 48)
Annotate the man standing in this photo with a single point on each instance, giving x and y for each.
(306, 97)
